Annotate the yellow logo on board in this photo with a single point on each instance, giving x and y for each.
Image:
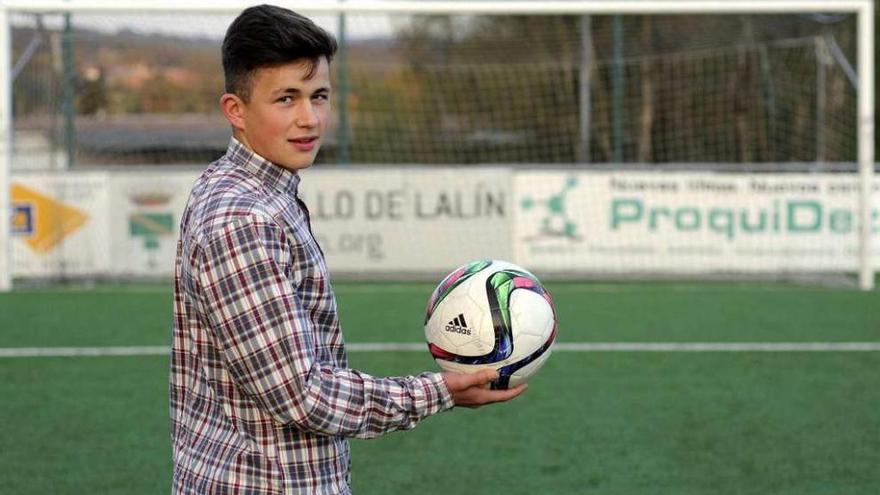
(42, 221)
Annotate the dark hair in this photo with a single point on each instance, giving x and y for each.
(269, 36)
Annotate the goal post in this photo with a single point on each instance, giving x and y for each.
(862, 9)
(866, 140)
(5, 151)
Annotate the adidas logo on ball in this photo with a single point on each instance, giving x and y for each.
(458, 325)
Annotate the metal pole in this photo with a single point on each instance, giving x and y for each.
(770, 103)
(866, 143)
(618, 90)
(342, 100)
(68, 91)
(585, 82)
(5, 151)
(821, 98)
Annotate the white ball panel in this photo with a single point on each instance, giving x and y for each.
(464, 368)
(531, 314)
(523, 374)
(478, 336)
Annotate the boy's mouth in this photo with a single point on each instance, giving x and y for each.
(306, 143)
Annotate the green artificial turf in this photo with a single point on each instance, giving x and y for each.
(609, 423)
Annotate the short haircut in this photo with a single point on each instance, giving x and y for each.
(269, 36)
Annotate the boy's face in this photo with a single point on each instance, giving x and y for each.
(285, 118)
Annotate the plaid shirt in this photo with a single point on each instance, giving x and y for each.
(262, 399)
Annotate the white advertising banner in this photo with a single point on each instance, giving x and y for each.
(409, 220)
(687, 222)
(390, 220)
(396, 221)
(145, 219)
(59, 225)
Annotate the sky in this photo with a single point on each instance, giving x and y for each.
(202, 25)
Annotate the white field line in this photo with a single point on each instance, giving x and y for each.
(32, 352)
(425, 288)
(600, 288)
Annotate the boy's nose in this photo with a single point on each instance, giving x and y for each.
(307, 117)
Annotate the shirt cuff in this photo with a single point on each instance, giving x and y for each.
(439, 397)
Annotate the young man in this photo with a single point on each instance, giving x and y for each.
(262, 400)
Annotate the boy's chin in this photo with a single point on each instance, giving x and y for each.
(297, 165)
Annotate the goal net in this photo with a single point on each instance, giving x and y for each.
(575, 138)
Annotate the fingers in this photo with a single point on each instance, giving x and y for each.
(480, 378)
(471, 389)
(482, 397)
(510, 393)
(463, 381)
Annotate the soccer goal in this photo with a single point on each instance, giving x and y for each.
(611, 138)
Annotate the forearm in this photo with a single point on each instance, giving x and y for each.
(399, 403)
(348, 402)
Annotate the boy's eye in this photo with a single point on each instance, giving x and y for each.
(321, 97)
(285, 99)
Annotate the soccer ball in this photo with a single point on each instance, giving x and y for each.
(491, 314)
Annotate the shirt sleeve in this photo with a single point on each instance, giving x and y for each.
(267, 341)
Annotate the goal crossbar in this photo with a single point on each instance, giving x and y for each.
(470, 7)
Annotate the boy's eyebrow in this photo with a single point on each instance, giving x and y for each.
(296, 91)
(293, 91)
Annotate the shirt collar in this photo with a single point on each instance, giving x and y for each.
(267, 172)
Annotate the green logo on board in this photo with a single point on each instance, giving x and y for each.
(555, 222)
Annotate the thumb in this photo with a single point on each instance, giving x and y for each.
(481, 377)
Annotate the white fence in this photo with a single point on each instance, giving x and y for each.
(399, 221)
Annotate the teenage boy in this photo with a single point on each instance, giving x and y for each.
(262, 399)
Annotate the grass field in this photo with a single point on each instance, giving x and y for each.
(591, 422)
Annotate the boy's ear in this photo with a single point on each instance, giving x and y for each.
(234, 109)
